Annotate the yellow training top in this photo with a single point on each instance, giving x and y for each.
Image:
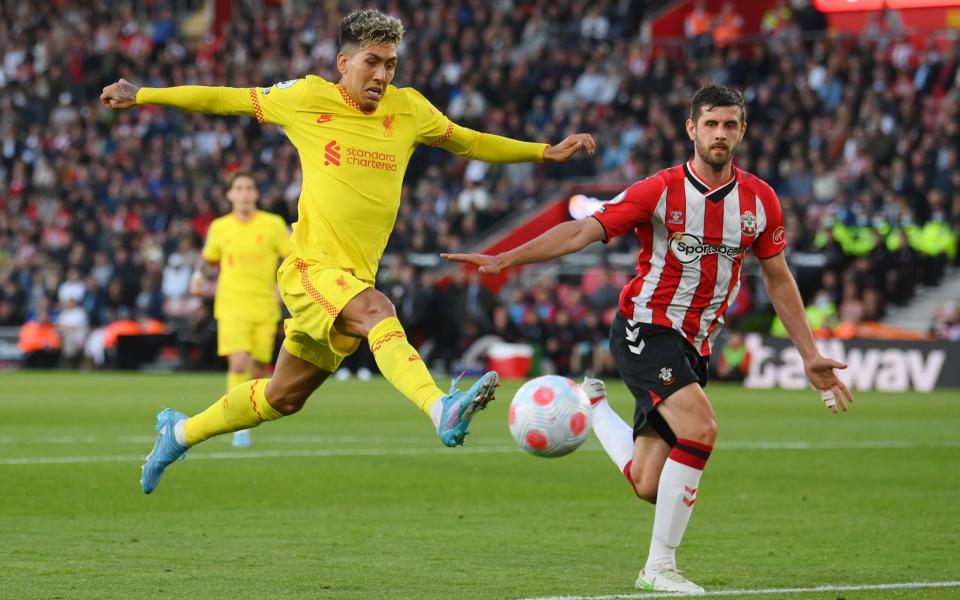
(353, 163)
(248, 254)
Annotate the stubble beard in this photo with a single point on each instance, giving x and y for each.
(704, 154)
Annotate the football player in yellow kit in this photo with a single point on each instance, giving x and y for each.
(355, 139)
(246, 245)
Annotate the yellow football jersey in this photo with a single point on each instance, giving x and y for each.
(353, 162)
(248, 254)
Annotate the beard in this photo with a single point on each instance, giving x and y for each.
(706, 155)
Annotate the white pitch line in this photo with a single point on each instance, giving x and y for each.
(8, 440)
(393, 451)
(914, 585)
(149, 439)
(239, 454)
(845, 445)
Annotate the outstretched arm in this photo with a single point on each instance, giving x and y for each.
(194, 98)
(565, 238)
(785, 296)
(435, 129)
(498, 149)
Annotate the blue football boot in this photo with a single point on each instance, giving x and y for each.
(165, 451)
(242, 439)
(460, 406)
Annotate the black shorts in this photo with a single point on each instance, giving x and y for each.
(654, 362)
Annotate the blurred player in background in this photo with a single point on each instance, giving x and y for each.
(355, 139)
(695, 223)
(247, 245)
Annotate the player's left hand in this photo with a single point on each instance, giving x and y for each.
(488, 265)
(570, 146)
(833, 391)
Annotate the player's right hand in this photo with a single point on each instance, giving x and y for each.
(199, 286)
(121, 94)
(488, 265)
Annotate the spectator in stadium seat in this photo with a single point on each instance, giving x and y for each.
(73, 288)
(560, 341)
(591, 354)
(851, 305)
(733, 364)
(696, 27)
(39, 341)
(502, 331)
(946, 322)
(72, 325)
(727, 26)
(591, 84)
(473, 196)
(607, 294)
(776, 18)
(821, 314)
(478, 303)
(468, 105)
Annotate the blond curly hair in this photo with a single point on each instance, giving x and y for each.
(367, 27)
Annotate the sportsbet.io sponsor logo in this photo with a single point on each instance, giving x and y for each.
(335, 153)
(687, 248)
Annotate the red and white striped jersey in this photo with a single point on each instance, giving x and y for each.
(692, 243)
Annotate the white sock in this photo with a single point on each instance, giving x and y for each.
(676, 495)
(178, 432)
(615, 435)
(435, 412)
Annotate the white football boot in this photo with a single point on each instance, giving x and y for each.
(665, 577)
(595, 390)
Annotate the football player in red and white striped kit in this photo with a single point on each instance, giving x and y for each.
(695, 223)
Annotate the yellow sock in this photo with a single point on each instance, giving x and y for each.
(243, 407)
(401, 364)
(235, 379)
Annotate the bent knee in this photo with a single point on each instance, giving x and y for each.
(706, 432)
(380, 311)
(703, 431)
(371, 313)
(287, 407)
(644, 487)
(647, 494)
(285, 401)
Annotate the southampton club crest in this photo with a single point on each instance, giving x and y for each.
(748, 224)
(666, 375)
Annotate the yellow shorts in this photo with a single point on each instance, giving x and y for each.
(315, 294)
(257, 339)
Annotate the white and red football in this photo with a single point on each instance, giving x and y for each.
(550, 416)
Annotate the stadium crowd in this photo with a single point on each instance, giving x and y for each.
(102, 213)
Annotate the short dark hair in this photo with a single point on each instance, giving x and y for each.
(235, 176)
(364, 28)
(711, 95)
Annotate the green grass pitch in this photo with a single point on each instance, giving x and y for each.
(355, 498)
